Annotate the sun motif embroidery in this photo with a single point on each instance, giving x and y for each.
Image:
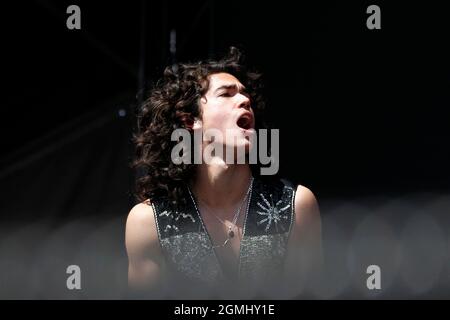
(271, 212)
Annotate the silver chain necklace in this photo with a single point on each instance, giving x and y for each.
(230, 233)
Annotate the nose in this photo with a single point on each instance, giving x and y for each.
(244, 101)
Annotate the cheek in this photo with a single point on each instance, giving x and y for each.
(215, 118)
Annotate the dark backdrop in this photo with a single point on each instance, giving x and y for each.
(363, 118)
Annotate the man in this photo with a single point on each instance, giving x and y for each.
(215, 229)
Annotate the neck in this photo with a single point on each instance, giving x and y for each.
(221, 185)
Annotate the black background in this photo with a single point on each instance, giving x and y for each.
(359, 110)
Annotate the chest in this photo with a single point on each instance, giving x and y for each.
(192, 243)
(226, 248)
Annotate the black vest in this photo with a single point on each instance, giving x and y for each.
(189, 252)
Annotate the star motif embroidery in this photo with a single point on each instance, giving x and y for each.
(271, 212)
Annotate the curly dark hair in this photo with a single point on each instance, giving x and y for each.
(174, 103)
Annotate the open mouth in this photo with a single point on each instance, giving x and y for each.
(245, 121)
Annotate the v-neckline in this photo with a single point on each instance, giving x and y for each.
(210, 242)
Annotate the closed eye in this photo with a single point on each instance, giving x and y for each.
(233, 92)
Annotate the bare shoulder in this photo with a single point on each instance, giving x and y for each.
(141, 234)
(145, 258)
(304, 255)
(141, 214)
(306, 206)
(307, 229)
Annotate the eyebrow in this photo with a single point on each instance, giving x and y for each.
(230, 86)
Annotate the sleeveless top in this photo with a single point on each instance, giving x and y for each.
(189, 252)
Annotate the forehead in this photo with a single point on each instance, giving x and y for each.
(217, 80)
